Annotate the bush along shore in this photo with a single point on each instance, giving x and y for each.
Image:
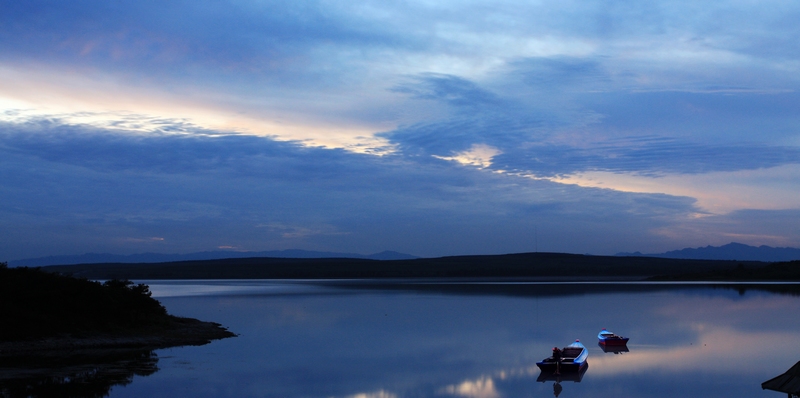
(52, 315)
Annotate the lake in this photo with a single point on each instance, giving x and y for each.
(469, 339)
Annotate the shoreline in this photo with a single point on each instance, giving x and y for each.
(179, 332)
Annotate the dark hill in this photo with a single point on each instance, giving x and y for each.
(732, 251)
(525, 265)
(100, 258)
(783, 271)
(47, 311)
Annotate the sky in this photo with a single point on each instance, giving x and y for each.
(431, 128)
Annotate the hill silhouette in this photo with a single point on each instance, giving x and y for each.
(99, 258)
(732, 251)
(47, 312)
(553, 266)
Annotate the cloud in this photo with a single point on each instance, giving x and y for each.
(716, 192)
(461, 93)
(559, 73)
(365, 126)
(476, 116)
(478, 155)
(759, 227)
(217, 189)
(288, 231)
(653, 156)
(536, 146)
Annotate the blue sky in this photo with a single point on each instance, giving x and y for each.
(431, 128)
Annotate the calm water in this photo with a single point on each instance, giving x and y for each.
(471, 340)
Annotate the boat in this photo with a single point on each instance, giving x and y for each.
(574, 377)
(573, 359)
(788, 382)
(607, 338)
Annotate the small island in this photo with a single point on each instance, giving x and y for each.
(49, 315)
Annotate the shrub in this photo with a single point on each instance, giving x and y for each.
(36, 304)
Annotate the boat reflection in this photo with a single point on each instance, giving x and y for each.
(574, 377)
(616, 349)
(91, 374)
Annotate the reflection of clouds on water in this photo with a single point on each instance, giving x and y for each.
(198, 290)
(727, 349)
(518, 372)
(493, 386)
(731, 310)
(368, 343)
(224, 287)
(288, 314)
(722, 331)
(719, 329)
(483, 387)
(377, 394)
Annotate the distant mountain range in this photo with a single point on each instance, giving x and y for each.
(94, 258)
(731, 251)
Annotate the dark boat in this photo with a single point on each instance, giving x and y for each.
(573, 358)
(788, 382)
(608, 338)
(574, 377)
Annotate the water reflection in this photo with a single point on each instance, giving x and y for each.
(88, 374)
(558, 378)
(613, 349)
(466, 286)
(484, 387)
(479, 341)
